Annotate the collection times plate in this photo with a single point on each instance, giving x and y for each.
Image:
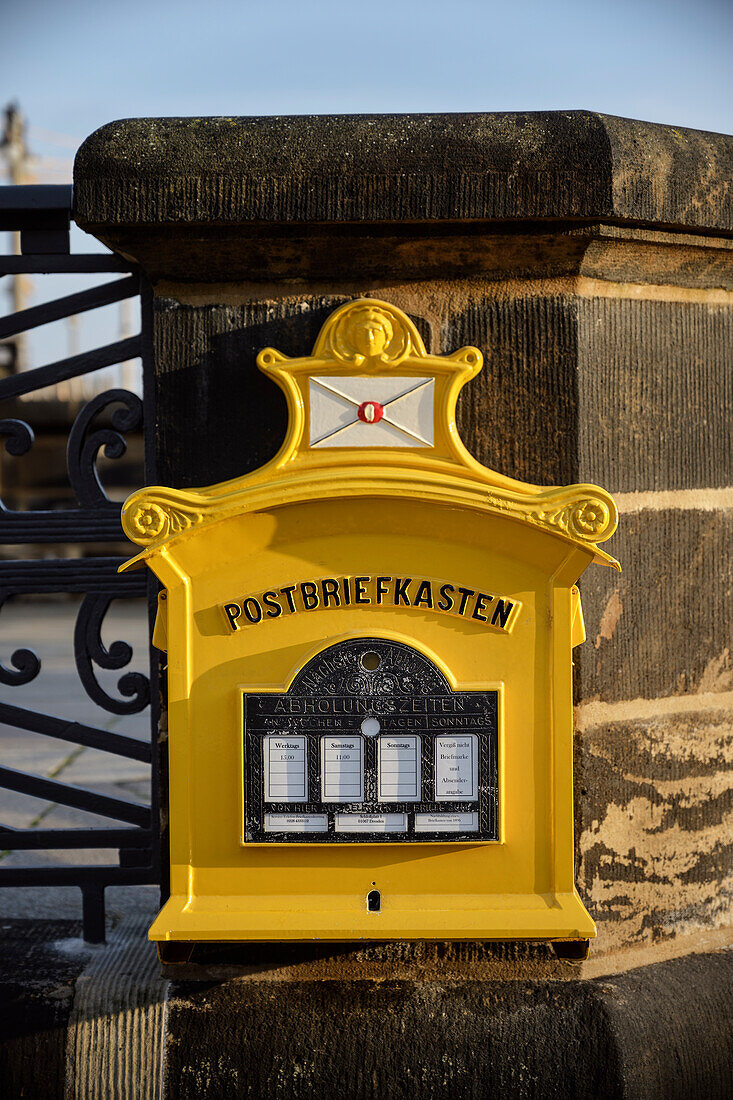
(370, 744)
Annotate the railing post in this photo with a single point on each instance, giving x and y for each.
(92, 899)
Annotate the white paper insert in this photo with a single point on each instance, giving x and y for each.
(446, 823)
(399, 769)
(296, 823)
(342, 769)
(285, 768)
(456, 768)
(371, 823)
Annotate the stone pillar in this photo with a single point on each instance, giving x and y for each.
(591, 259)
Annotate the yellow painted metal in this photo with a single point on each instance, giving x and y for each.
(426, 511)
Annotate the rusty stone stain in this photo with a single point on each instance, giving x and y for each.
(656, 843)
(601, 964)
(691, 790)
(609, 619)
(633, 835)
(705, 500)
(597, 713)
(451, 293)
(718, 674)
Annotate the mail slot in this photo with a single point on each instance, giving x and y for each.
(369, 666)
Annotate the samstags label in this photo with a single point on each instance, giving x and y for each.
(331, 593)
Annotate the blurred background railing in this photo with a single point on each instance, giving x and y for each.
(74, 446)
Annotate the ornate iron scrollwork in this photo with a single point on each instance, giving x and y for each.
(100, 426)
(26, 666)
(89, 649)
(20, 436)
(84, 446)
(19, 440)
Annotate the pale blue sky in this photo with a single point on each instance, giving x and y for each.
(75, 64)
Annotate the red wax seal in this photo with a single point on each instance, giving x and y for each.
(370, 412)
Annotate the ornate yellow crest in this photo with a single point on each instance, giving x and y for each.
(372, 414)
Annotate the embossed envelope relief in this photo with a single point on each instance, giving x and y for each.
(371, 412)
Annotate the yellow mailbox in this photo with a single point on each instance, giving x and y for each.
(370, 666)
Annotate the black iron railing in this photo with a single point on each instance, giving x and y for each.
(42, 216)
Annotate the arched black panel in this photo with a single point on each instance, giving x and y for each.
(371, 744)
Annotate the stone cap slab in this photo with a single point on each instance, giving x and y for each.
(337, 169)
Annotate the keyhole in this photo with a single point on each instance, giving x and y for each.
(374, 901)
